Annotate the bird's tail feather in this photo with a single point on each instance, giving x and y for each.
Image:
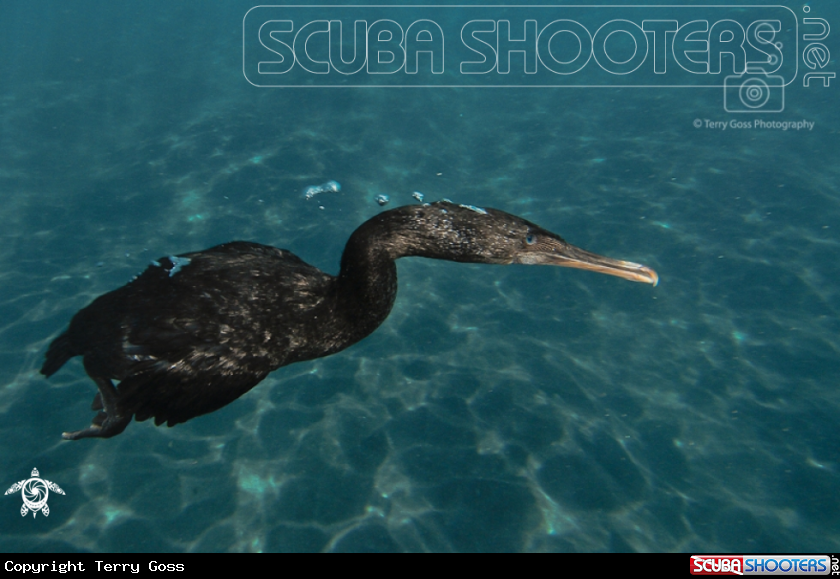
(58, 353)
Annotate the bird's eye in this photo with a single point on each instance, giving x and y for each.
(530, 239)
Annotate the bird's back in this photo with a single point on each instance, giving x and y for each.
(193, 333)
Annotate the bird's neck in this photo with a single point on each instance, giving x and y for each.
(367, 283)
(366, 286)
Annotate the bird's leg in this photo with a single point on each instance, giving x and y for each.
(107, 423)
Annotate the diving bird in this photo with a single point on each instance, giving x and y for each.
(195, 332)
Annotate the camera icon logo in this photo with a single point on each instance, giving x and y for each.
(754, 91)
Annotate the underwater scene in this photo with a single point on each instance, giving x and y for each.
(498, 407)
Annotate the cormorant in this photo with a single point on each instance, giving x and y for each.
(195, 332)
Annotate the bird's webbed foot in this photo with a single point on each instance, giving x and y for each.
(110, 421)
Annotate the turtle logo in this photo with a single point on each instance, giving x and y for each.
(35, 492)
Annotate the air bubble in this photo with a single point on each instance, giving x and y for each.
(177, 264)
(328, 187)
(382, 199)
(478, 210)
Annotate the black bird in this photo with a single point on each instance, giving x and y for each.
(195, 332)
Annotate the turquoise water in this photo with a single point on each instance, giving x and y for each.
(498, 408)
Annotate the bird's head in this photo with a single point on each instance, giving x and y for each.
(472, 234)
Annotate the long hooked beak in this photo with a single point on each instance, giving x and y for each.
(567, 255)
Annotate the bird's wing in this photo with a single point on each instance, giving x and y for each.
(177, 394)
(189, 342)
